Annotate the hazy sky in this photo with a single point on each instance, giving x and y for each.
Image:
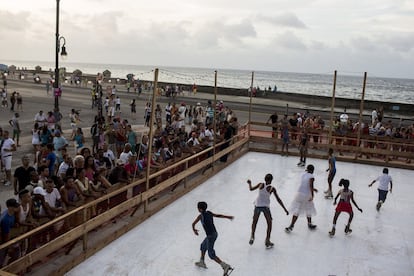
(314, 36)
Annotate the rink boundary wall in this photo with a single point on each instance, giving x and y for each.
(129, 205)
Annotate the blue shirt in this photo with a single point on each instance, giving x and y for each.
(7, 222)
(51, 156)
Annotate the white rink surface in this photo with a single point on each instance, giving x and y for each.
(380, 244)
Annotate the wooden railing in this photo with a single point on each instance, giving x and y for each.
(79, 233)
(71, 238)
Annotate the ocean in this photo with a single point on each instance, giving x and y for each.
(347, 86)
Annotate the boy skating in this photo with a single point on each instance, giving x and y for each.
(206, 218)
(346, 197)
(384, 180)
(262, 204)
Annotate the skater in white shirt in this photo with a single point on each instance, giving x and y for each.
(384, 180)
(262, 204)
(303, 202)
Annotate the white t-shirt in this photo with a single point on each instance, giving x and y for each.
(8, 144)
(304, 187)
(383, 181)
(124, 156)
(63, 168)
(52, 197)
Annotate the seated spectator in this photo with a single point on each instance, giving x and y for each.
(90, 168)
(132, 168)
(70, 193)
(85, 185)
(101, 183)
(126, 153)
(118, 174)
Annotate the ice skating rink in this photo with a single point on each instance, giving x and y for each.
(382, 243)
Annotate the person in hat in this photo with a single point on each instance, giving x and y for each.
(40, 209)
(303, 202)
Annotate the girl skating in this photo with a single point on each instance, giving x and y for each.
(345, 197)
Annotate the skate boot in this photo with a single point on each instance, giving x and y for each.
(226, 268)
(379, 205)
(251, 241)
(311, 226)
(269, 244)
(201, 264)
(289, 229)
(332, 232)
(299, 164)
(329, 195)
(348, 230)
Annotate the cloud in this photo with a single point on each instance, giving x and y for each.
(289, 40)
(285, 20)
(11, 22)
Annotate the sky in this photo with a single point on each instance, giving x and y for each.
(310, 36)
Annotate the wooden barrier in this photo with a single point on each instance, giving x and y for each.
(115, 205)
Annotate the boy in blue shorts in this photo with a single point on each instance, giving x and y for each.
(206, 218)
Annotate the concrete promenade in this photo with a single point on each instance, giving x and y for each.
(35, 99)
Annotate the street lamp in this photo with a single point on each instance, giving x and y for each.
(57, 90)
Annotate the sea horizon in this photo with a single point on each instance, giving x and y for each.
(348, 85)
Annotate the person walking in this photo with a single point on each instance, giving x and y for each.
(303, 202)
(7, 148)
(346, 196)
(262, 204)
(384, 180)
(14, 123)
(207, 220)
(332, 172)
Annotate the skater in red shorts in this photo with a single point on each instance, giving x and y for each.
(345, 197)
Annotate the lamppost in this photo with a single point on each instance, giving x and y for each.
(57, 91)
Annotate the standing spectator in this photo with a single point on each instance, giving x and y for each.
(74, 120)
(9, 230)
(40, 118)
(60, 144)
(51, 159)
(303, 202)
(168, 113)
(58, 117)
(133, 108)
(384, 180)
(19, 101)
(303, 147)
(35, 137)
(284, 127)
(131, 138)
(332, 172)
(12, 100)
(14, 123)
(273, 118)
(158, 116)
(22, 175)
(47, 87)
(7, 148)
(118, 104)
(294, 125)
(4, 101)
